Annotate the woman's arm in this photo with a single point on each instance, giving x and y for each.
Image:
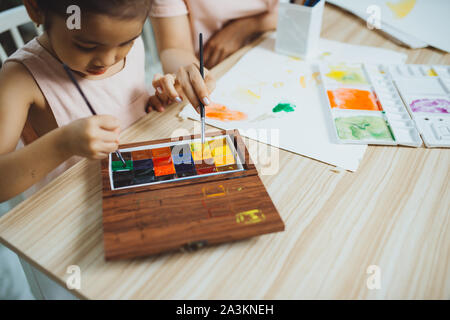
(174, 40)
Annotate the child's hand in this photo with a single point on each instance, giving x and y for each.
(93, 137)
(159, 101)
(188, 83)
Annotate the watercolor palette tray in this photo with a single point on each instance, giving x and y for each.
(174, 195)
(173, 161)
(366, 106)
(425, 90)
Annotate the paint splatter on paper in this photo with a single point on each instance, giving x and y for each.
(286, 107)
(220, 112)
(347, 75)
(278, 84)
(431, 72)
(251, 94)
(363, 128)
(316, 77)
(356, 99)
(430, 105)
(263, 117)
(401, 8)
(303, 81)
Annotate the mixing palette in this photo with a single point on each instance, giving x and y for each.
(426, 93)
(178, 193)
(367, 103)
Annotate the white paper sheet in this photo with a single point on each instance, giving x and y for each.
(262, 79)
(426, 20)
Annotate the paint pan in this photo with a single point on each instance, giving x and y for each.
(345, 74)
(365, 105)
(117, 165)
(174, 161)
(363, 127)
(428, 104)
(354, 99)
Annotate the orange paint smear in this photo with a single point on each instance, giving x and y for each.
(344, 98)
(220, 112)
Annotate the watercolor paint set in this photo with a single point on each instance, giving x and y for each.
(179, 194)
(173, 161)
(379, 104)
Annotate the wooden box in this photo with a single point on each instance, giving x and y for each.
(181, 210)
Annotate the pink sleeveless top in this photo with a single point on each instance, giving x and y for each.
(122, 95)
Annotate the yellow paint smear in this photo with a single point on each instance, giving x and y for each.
(432, 73)
(210, 193)
(254, 95)
(303, 81)
(402, 8)
(278, 84)
(250, 216)
(316, 77)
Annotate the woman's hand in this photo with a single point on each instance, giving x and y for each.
(236, 34)
(93, 137)
(225, 42)
(187, 83)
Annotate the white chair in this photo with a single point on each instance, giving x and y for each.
(153, 64)
(10, 20)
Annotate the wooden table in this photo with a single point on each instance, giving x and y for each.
(393, 213)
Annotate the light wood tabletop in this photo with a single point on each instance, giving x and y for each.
(394, 213)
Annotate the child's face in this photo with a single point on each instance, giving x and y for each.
(101, 43)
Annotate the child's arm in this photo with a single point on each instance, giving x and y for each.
(174, 40)
(92, 137)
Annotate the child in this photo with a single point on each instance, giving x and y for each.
(41, 106)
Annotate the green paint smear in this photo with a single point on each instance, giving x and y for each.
(353, 78)
(118, 165)
(363, 128)
(286, 107)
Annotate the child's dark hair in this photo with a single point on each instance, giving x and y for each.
(123, 9)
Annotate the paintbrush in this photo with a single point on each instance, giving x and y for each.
(72, 78)
(202, 106)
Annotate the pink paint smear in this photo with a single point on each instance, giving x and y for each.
(431, 105)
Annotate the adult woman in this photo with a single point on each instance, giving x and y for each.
(226, 27)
